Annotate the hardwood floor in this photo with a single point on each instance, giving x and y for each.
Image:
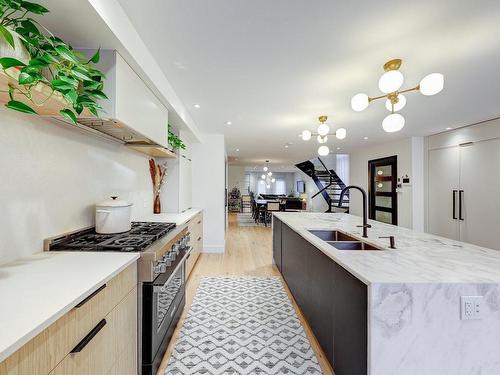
(248, 252)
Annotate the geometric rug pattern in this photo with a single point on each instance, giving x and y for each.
(242, 325)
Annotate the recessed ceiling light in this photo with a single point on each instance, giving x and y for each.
(237, 150)
(228, 122)
(365, 138)
(235, 158)
(286, 146)
(197, 106)
(338, 148)
(448, 128)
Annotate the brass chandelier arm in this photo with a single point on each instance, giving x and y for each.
(370, 98)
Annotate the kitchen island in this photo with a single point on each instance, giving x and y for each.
(391, 311)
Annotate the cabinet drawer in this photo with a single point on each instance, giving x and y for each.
(196, 226)
(113, 340)
(45, 351)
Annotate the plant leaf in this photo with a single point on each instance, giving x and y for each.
(30, 27)
(20, 106)
(7, 36)
(26, 78)
(66, 54)
(81, 73)
(59, 84)
(38, 63)
(96, 57)
(69, 114)
(9, 62)
(78, 108)
(72, 96)
(33, 8)
(98, 94)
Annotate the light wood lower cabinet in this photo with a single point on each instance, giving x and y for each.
(196, 229)
(111, 347)
(51, 348)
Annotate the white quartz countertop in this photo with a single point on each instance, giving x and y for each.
(179, 219)
(38, 290)
(418, 257)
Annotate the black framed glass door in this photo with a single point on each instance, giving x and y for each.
(382, 184)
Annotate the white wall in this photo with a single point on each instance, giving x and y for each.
(52, 176)
(209, 176)
(409, 156)
(236, 178)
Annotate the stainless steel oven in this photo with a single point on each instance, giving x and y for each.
(163, 302)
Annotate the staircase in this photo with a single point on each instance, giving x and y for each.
(328, 182)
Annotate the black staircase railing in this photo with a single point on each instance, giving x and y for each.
(329, 184)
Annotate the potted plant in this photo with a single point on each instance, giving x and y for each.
(174, 141)
(31, 55)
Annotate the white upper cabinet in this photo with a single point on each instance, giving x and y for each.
(131, 103)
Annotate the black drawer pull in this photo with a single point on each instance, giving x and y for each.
(91, 296)
(82, 344)
(199, 238)
(199, 221)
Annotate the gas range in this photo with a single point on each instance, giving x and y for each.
(164, 248)
(142, 235)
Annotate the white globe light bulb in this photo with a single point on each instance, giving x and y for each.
(306, 135)
(398, 106)
(432, 84)
(269, 173)
(263, 176)
(359, 102)
(323, 129)
(321, 139)
(390, 81)
(393, 123)
(341, 133)
(323, 150)
(273, 180)
(265, 169)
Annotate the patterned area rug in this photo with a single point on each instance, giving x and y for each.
(246, 220)
(242, 325)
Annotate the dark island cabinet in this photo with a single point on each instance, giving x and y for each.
(277, 242)
(332, 300)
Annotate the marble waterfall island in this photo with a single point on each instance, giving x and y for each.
(412, 324)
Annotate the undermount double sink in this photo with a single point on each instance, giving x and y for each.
(342, 241)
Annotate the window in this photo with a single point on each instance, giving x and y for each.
(280, 188)
(261, 187)
(247, 182)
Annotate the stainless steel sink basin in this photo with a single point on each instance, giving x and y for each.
(352, 245)
(332, 235)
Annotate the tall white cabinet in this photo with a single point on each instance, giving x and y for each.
(178, 188)
(464, 184)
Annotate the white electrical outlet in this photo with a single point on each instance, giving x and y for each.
(471, 307)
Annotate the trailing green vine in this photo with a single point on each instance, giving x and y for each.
(52, 62)
(174, 140)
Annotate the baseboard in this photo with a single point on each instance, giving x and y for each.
(213, 249)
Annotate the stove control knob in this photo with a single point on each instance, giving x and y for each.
(160, 267)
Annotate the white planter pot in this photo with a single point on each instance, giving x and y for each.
(113, 216)
(20, 52)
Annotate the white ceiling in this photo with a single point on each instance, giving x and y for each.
(272, 67)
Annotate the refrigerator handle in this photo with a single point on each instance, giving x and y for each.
(460, 199)
(454, 204)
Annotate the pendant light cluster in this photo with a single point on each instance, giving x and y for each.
(390, 84)
(267, 176)
(322, 134)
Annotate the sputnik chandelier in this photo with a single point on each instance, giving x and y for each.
(322, 135)
(390, 84)
(267, 176)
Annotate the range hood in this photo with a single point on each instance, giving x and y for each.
(133, 115)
